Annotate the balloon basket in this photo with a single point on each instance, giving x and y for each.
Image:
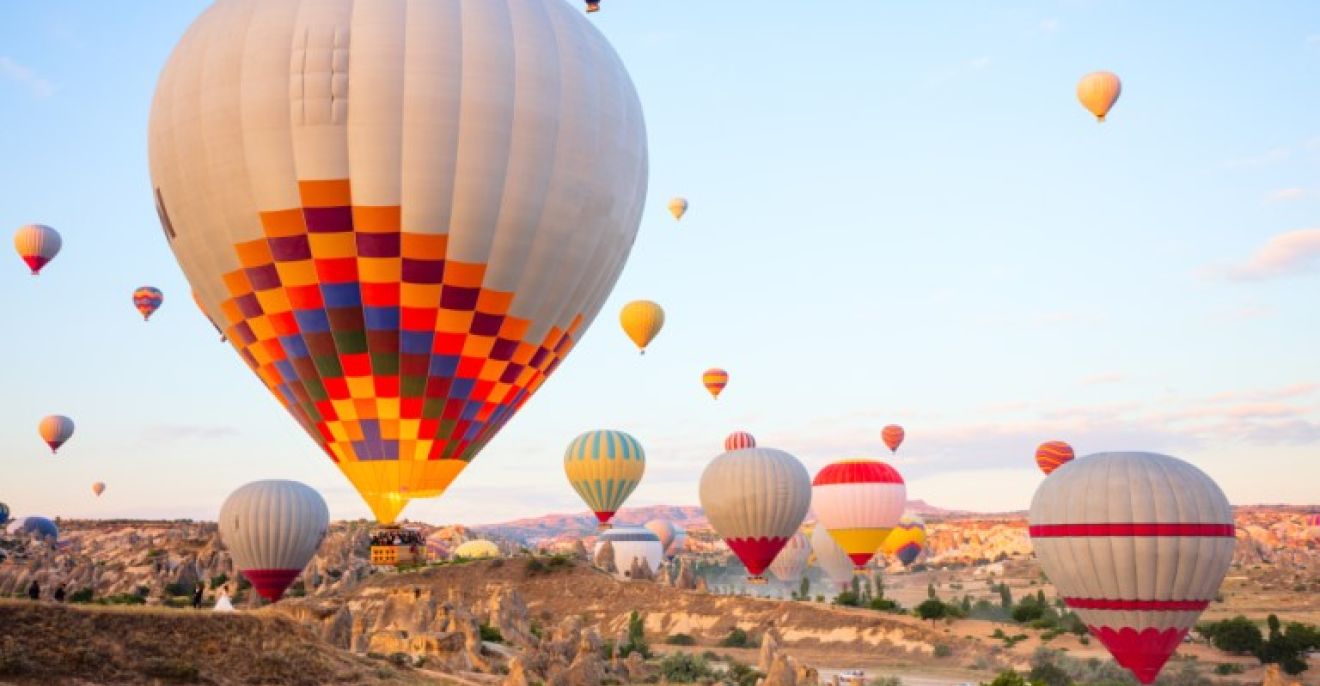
(756, 580)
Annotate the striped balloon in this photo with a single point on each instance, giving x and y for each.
(893, 437)
(907, 540)
(715, 379)
(739, 440)
(1137, 544)
(604, 467)
(37, 244)
(1053, 454)
(859, 502)
(791, 562)
(755, 499)
(147, 300)
(55, 430)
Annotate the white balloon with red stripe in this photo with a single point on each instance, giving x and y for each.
(1137, 544)
(755, 499)
(272, 529)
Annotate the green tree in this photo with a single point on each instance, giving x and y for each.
(932, 609)
(804, 588)
(967, 605)
(1008, 678)
(1237, 635)
(930, 590)
(1040, 597)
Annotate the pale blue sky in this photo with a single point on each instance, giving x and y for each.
(899, 213)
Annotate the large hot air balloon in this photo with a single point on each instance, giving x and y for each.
(906, 541)
(629, 544)
(678, 207)
(406, 232)
(892, 436)
(35, 527)
(147, 300)
(4, 514)
(715, 380)
(663, 530)
(604, 467)
(739, 440)
(1098, 91)
(755, 499)
(272, 529)
(858, 501)
(1137, 544)
(37, 244)
(55, 430)
(642, 321)
(1051, 455)
(836, 564)
(478, 549)
(98, 488)
(791, 562)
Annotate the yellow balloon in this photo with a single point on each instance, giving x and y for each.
(678, 207)
(1098, 91)
(642, 320)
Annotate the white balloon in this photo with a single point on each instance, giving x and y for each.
(272, 530)
(791, 562)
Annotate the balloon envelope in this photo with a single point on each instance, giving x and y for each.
(1051, 455)
(604, 467)
(478, 549)
(405, 233)
(98, 488)
(858, 501)
(1098, 91)
(832, 560)
(739, 440)
(631, 544)
(907, 539)
(147, 299)
(755, 499)
(665, 531)
(715, 380)
(272, 530)
(641, 321)
(38, 527)
(4, 514)
(791, 562)
(55, 430)
(893, 437)
(37, 245)
(678, 207)
(1137, 544)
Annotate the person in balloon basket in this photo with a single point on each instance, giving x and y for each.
(34, 590)
(197, 595)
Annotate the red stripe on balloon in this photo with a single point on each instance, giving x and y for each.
(1137, 605)
(1132, 529)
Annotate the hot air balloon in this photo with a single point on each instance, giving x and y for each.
(35, 527)
(37, 244)
(642, 320)
(755, 499)
(437, 546)
(858, 502)
(739, 440)
(791, 562)
(1098, 91)
(406, 233)
(55, 430)
(604, 467)
(1137, 544)
(836, 564)
(98, 488)
(272, 529)
(632, 544)
(147, 300)
(892, 436)
(715, 380)
(1053, 454)
(678, 207)
(906, 541)
(593, 6)
(479, 549)
(663, 530)
(4, 514)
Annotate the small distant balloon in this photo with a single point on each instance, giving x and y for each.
(739, 440)
(1098, 91)
(1053, 454)
(38, 527)
(37, 244)
(4, 514)
(55, 430)
(893, 437)
(715, 379)
(593, 6)
(98, 488)
(678, 207)
(147, 299)
(642, 321)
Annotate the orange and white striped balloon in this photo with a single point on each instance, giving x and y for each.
(739, 440)
(1137, 544)
(858, 502)
(1053, 454)
(37, 244)
(715, 379)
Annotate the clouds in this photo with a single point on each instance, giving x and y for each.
(1287, 194)
(168, 433)
(25, 77)
(1288, 254)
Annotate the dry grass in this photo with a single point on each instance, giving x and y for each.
(58, 644)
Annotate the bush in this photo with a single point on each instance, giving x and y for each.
(932, 609)
(885, 605)
(219, 580)
(740, 674)
(847, 599)
(738, 638)
(1008, 678)
(1226, 668)
(83, 595)
(684, 668)
(491, 634)
(535, 566)
(1236, 635)
(680, 640)
(171, 669)
(942, 650)
(123, 599)
(885, 681)
(1026, 612)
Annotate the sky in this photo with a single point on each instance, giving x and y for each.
(899, 214)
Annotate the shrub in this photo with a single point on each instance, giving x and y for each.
(889, 680)
(684, 668)
(738, 638)
(942, 650)
(535, 566)
(885, 605)
(1226, 668)
(123, 599)
(1236, 635)
(1008, 677)
(680, 640)
(219, 580)
(491, 634)
(847, 599)
(740, 674)
(932, 609)
(82, 595)
(1026, 612)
